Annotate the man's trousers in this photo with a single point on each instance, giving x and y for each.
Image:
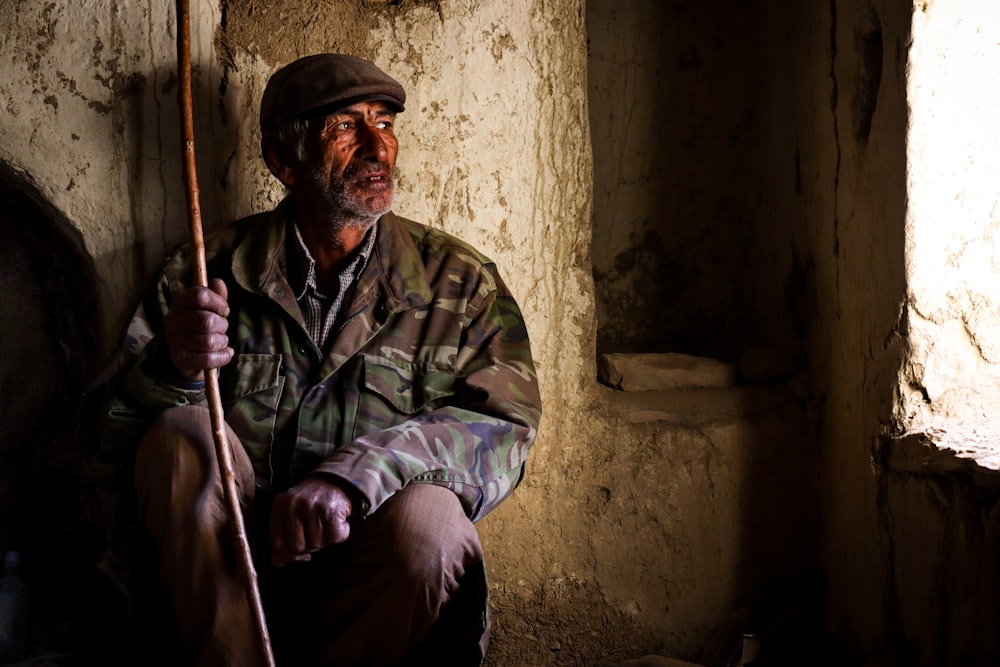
(408, 584)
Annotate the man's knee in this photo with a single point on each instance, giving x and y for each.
(177, 443)
(180, 443)
(429, 535)
(176, 434)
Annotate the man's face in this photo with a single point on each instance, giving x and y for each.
(351, 161)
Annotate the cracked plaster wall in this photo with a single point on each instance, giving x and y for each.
(622, 540)
(672, 118)
(606, 548)
(90, 115)
(876, 157)
(495, 147)
(953, 261)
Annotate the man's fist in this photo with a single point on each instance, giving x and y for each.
(306, 518)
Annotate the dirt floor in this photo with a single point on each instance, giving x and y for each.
(559, 625)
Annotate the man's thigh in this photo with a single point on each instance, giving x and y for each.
(385, 587)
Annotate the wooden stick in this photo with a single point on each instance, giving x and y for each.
(222, 450)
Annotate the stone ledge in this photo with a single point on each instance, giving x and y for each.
(693, 407)
(662, 371)
(948, 455)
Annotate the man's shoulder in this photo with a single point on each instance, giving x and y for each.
(433, 243)
(226, 237)
(220, 243)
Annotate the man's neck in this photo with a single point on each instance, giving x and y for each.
(332, 243)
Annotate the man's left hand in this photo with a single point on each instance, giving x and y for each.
(306, 518)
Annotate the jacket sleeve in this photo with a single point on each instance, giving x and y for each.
(141, 385)
(476, 443)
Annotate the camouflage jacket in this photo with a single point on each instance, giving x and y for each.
(429, 377)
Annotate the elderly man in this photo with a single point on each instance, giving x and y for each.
(378, 389)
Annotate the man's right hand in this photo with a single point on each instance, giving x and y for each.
(307, 517)
(196, 328)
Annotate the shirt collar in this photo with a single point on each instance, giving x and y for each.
(302, 266)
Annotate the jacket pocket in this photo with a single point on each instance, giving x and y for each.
(393, 391)
(251, 387)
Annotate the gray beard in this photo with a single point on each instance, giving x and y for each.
(346, 211)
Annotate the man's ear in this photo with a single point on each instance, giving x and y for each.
(275, 160)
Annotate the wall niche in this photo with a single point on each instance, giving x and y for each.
(671, 116)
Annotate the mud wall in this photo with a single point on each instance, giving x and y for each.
(869, 207)
(832, 173)
(777, 200)
(953, 262)
(90, 116)
(623, 539)
(672, 118)
(494, 147)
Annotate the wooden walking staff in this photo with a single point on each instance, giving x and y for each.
(223, 453)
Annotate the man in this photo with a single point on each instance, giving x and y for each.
(379, 396)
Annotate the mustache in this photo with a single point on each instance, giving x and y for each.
(363, 169)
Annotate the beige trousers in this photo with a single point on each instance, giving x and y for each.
(373, 600)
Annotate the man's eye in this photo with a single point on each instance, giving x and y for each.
(384, 124)
(343, 126)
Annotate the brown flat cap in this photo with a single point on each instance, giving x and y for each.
(318, 85)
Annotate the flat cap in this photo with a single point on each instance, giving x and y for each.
(317, 85)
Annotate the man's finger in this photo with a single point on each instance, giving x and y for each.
(218, 286)
(205, 343)
(200, 361)
(336, 529)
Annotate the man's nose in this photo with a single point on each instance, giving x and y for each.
(372, 143)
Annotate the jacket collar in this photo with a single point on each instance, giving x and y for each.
(395, 270)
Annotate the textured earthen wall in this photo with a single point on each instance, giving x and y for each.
(953, 261)
(623, 539)
(940, 512)
(833, 186)
(873, 162)
(672, 118)
(90, 114)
